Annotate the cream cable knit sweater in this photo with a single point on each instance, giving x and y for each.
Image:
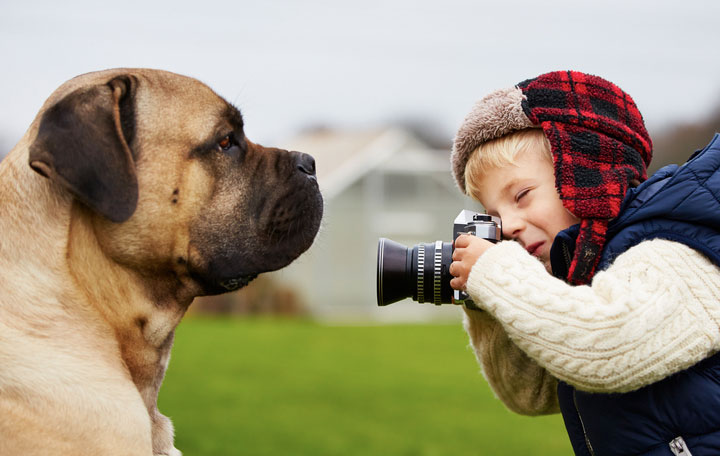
(655, 311)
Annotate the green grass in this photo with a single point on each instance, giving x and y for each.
(268, 387)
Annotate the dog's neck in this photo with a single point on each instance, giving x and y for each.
(143, 312)
(131, 300)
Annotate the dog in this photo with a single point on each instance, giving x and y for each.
(132, 192)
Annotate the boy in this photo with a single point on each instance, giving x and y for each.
(623, 339)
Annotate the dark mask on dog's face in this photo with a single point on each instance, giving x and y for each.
(270, 205)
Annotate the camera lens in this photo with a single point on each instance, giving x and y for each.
(420, 272)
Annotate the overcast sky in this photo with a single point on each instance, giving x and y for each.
(292, 64)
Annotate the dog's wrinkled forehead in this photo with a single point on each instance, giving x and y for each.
(172, 99)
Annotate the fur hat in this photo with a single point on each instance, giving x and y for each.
(597, 138)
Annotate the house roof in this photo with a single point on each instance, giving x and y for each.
(344, 156)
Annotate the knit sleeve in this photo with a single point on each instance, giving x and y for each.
(654, 312)
(518, 381)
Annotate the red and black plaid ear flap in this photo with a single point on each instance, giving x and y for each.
(599, 145)
(588, 250)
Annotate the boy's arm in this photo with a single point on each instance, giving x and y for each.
(654, 312)
(518, 381)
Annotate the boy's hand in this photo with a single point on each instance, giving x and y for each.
(468, 249)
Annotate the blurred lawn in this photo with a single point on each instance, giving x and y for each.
(287, 387)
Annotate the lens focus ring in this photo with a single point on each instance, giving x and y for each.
(437, 282)
(421, 274)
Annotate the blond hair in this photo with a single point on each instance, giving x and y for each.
(500, 152)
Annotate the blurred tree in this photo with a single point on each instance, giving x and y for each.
(677, 143)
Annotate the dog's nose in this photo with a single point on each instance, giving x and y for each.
(305, 163)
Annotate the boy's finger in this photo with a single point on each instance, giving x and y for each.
(462, 241)
(456, 284)
(456, 269)
(457, 254)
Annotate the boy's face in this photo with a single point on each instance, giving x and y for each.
(523, 195)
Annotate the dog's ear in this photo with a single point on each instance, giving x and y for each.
(83, 144)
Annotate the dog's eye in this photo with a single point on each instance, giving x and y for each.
(225, 143)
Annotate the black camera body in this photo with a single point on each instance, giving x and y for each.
(422, 272)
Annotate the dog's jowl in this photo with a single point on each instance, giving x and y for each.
(132, 192)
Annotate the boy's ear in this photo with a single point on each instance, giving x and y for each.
(83, 144)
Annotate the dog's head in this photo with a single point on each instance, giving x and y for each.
(161, 167)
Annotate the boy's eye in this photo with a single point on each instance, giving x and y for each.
(521, 194)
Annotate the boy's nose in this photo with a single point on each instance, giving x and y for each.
(511, 227)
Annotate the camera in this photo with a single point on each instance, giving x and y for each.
(422, 272)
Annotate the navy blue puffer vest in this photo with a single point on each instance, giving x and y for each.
(680, 204)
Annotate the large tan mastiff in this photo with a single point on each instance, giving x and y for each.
(132, 192)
